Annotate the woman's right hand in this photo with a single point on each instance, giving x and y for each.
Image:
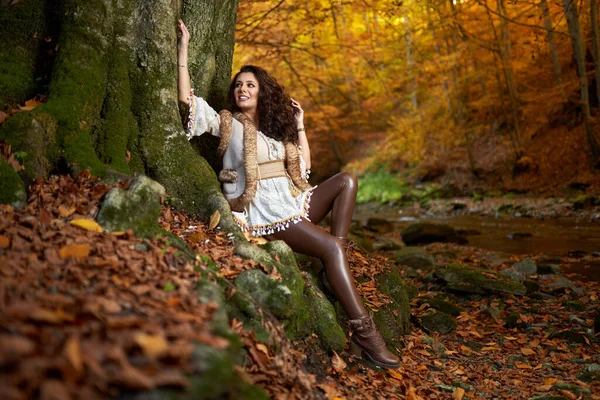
(183, 35)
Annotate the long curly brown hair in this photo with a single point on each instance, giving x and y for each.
(277, 117)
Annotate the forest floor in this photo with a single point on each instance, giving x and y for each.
(88, 314)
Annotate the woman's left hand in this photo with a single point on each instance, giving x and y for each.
(300, 114)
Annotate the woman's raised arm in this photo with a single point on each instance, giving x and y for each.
(183, 75)
(302, 140)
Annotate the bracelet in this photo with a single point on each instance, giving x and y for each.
(301, 130)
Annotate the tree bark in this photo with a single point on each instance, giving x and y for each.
(596, 43)
(552, 44)
(578, 51)
(113, 92)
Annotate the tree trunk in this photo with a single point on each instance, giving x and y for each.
(113, 91)
(508, 75)
(596, 42)
(411, 65)
(552, 44)
(578, 51)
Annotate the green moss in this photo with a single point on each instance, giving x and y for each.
(388, 326)
(444, 306)
(466, 279)
(22, 29)
(323, 317)
(12, 188)
(438, 322)
(391, 283)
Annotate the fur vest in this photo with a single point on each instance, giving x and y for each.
(238, 148)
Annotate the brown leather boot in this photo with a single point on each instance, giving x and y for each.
(366, 337)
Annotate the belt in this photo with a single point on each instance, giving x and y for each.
(271, 169)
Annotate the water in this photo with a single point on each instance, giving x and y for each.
(552, 237)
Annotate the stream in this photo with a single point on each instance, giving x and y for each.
(565, 237)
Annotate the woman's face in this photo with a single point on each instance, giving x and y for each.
(246, 91)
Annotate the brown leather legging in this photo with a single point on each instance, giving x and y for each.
(338, 195)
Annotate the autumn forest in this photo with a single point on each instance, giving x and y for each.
(472, 92)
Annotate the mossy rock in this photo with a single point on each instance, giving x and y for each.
(573, 388)
(591, 373)
(415, 257)
(443, 306)
(569, 335)
(472, 280)
(513, 320)
(12, 188)
(549, 397)
(391, 283)
(526, 267)
(425, 233)
(438, 322)
(324, 318)
(270, 293)
(532, 286)
(137, 208)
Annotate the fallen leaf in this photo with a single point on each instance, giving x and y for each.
(527, 352)
(45, 216)
(73, 353)
(523, 366)
(329, 389)
(152, 345)
(214, 220)
(53, 389)
(87, 224)
(64, 212)
(411, 394)
(338, 363)
(79, 251)
(53, 317)
(197, 237)
(395, 374)
(458, 394)
(543, 388)
(4, 242)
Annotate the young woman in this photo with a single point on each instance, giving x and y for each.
(266, 160)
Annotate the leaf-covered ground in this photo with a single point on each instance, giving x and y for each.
(89, 314)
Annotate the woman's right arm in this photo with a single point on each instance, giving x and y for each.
(183, 75)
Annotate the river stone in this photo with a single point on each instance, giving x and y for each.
(379, 225)
(532, 286)
(425, 233)
(443, 306)
(137, 208)
(513, 320)
(415, 257)
(548, 269)
(569, 335)
(471, 280)
(526, 267)
(514, 275)
(590, 373)
(438, 322)
(561, 283)
(383, 244)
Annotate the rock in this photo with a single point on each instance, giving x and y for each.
(548, 269)
(513, 320)
(471, 280)
(12, 188)
(590, 373)
(415, 257)
(514, 275)
(561, 283)
(570, 336)
(532, 286)
(383, 244)
(496, 259)
(272, 294)
(526, 267)
(549, 397)
(575, 319)
(438, 322)
(379, 225)
(425, 233)
(597, 321)
(327, 328)
(396, 315)
(443, 306)
(519, 235)
(550, 260)
(495, 312)
(573, 305)
(572, 388)
(137, 208)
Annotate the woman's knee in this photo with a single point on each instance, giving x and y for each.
(349, 180)
(332, 249)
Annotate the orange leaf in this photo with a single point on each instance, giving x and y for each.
(152, 345)
(523, 366)
(395, 374)
(73, 353)
(78, 251)
(4, 242)
(66, 211)
(214, 220)
(527, 352)
(87, 224)
(458, 394)
(45, 216)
